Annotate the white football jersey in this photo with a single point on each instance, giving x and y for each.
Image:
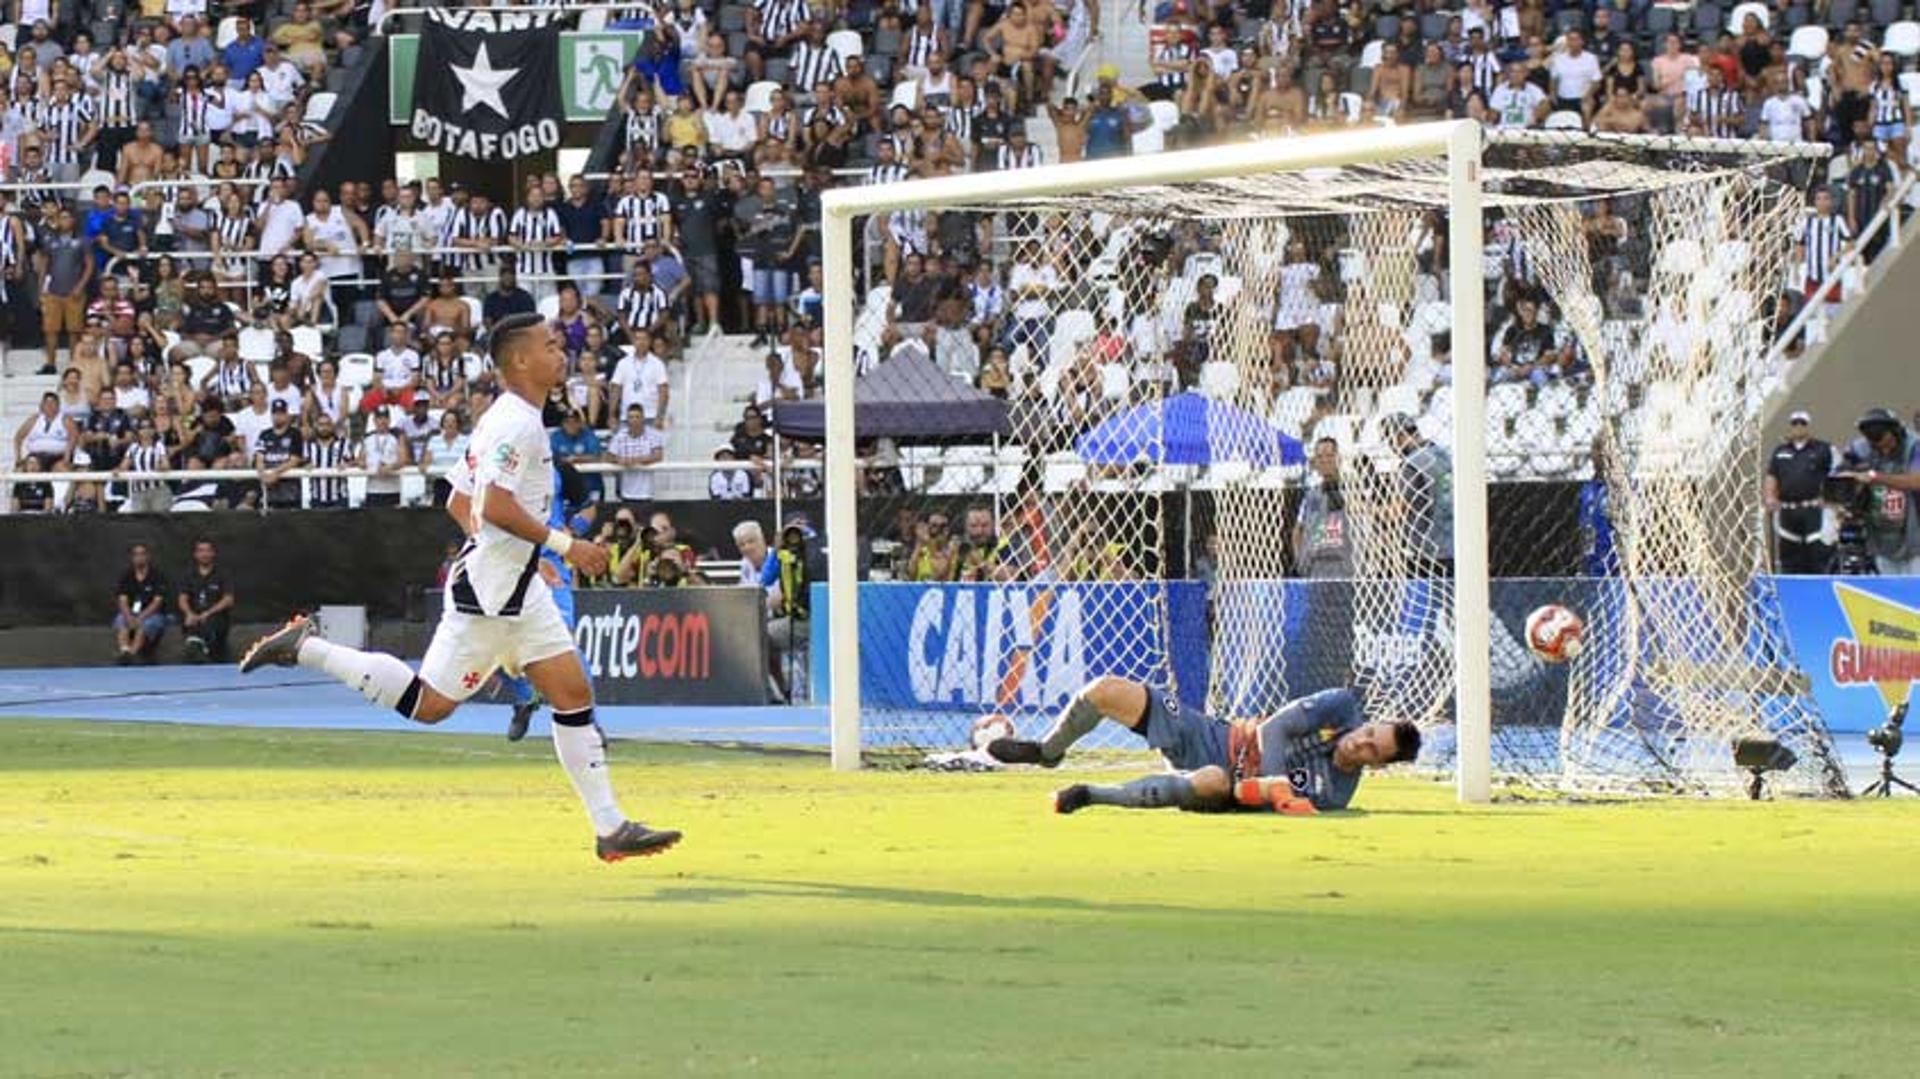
(509, 450)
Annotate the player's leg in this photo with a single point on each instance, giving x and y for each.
(558, 674)
(1204, 789)
(1106, 697)
(383, 679)
(525, 703)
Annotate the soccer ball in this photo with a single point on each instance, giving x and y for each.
(1555, 633)
(989, 727)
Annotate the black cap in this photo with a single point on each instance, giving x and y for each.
(1399, 423)
(1877, 417)
(279, 405)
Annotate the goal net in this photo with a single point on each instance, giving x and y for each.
(1255, 421)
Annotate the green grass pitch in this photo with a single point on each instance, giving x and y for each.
(190, 901)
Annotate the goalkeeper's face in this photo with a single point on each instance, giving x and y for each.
(1371, 745)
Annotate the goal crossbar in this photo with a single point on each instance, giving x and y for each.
(1458, 142)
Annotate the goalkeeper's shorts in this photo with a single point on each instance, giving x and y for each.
(1187, 738)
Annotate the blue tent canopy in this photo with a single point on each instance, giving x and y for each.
(1188, 429)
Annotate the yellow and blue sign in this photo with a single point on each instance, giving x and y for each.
(1857, 639)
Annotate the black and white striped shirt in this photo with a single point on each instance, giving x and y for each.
(117, 108)
(1485, 73)
(233, 380)
(64, 123)
(32, 197)
(960, 123)
(331, 453)
(1006, 157)
(1179, 53)
(887, 173)
(1887, 104)
(234, 232)
(10, 253)
(780, 18)
(641, 309)
(193, 114)
(530, 226)
(834, 115)
(643, 129)
(1825, 238)
(644, 215)
(780, 126)
(438, 375)
(1719, 113)
(491, 226)
(145, 459)
(812, 65)
(920, 47)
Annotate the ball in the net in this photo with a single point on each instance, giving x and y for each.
(1555, 633)
(989, 727)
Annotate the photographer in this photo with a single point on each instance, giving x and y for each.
(628, 551)
(1322, 543)
(1803, 524)
(787, 606)
(1886, 460)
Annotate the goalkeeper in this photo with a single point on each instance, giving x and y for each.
(1307, 756)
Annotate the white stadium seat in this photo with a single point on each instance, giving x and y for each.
(319, 107)
(846, 43)
(1737, 18)
(357, 370)
(1902, 39)
(759, 97)
(1808, 43)
(1554, 400)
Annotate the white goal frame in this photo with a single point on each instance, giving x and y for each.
(1459, 142)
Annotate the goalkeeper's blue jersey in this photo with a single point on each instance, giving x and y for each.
(557, 517)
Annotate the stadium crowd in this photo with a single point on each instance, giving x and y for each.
(266, 326)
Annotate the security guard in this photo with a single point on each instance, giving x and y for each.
(1804, 527)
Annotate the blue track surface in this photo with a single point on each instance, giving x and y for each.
(291, 698)
(217, 695)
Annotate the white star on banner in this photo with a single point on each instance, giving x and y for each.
(481, 84)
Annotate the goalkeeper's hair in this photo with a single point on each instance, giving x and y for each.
(1406, 741)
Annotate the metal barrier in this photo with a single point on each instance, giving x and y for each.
(1813, 315)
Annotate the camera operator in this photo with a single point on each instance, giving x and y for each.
(1803, 525)
(1891, 474)
(1322, 545)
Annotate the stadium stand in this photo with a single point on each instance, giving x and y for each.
(234, 271)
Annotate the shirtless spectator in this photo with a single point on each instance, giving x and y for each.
(1621, 113)
(1391, 83)
(1014, 45)
(1070, 129)
(140, 159)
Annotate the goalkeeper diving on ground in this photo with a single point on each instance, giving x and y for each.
(1305, 757)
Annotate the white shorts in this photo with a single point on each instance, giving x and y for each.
(468, 648)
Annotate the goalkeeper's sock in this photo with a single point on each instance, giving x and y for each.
(1150, 792)
(519, 688)
(1076, 720)
(380, 678)
(583, 753)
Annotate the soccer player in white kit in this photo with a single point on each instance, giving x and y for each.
(498, 612)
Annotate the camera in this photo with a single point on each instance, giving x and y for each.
(1888, 737)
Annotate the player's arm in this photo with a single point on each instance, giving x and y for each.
(460, 508)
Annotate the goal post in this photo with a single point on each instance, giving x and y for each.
(1259, 420)
(1457, 142)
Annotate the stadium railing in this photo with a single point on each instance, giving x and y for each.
(416, 482)
(1848, 275)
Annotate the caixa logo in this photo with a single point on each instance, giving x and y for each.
(677, 645)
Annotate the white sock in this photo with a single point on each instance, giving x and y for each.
(584, 756)
(380, 678)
